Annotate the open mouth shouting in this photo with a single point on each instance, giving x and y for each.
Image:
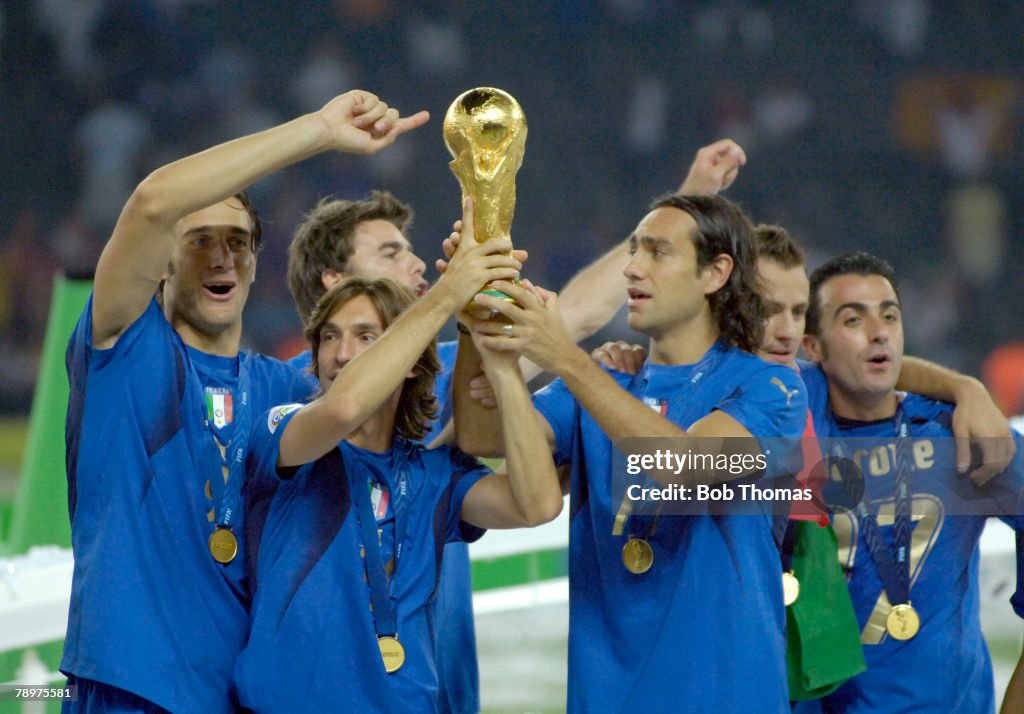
(220, 290)
(879, 362)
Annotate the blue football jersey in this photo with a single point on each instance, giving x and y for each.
(703, 629)
(452, 608)
(312, 645)
(945, 667)
(142, 510)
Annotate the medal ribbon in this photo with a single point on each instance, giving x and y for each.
(635, 525)
(788, 545)
(385, 611)
(893, 561)
(227, 497)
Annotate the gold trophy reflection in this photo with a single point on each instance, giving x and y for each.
(485, 132)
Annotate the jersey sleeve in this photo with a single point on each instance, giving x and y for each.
(772, 405)
(143, 361)
(302, 362)
(557, 404)
(142, 331)
(466, 471)
(771, 402)
(265, 443)
(1007, 488)
(81, 337)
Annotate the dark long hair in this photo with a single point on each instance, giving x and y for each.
(723, 228)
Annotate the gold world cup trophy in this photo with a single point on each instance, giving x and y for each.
(485, 132)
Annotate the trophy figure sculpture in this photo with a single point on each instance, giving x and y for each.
(485, 132)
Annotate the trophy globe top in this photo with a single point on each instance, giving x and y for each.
(486, 127)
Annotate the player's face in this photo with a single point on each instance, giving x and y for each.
(860, 342)
(351, 329)
(381, 251)
(211, 269)
(666, 292)
(785, 297)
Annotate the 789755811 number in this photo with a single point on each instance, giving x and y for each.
(36, 693)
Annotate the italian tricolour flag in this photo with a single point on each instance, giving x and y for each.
(218, 407)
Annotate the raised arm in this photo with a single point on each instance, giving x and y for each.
(539, 334)
(976, 419)
(592, 297)
(529, 494)
(137, 253)
(714, 168)
(374, 375)
(477, 428)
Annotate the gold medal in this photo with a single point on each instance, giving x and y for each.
(902, 622)
(223, 545)
(790, 588)
(637, 555)
(392, 652)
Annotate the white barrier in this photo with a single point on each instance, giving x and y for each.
(34, 593)
(35, 588)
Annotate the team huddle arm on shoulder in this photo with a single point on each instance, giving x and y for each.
(137, 253)
(976, 419)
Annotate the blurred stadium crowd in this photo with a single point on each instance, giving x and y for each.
(888, 125)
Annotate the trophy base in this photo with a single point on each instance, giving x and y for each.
(495, 293)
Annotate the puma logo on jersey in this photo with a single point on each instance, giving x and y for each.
(789, 394)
